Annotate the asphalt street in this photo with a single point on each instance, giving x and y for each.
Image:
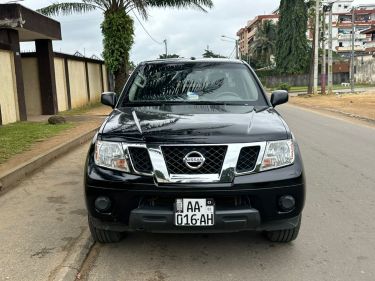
(336, 242)
(42, 219)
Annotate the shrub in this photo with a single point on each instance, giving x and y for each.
(284, 86)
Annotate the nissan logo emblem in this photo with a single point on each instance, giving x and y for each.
(194, 160)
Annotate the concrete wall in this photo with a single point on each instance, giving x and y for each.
(8, 90)
(31, 85)
(105, 78)
(78, 81)
(300, 79)
(365, 70)
(95, 81)
(61, 89)
(78, 85)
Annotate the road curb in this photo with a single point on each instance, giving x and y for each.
(70, 268)
(10, 178)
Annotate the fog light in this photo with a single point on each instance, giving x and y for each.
(287, 203)
(102, 204)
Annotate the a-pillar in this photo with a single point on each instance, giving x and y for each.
(47, 81)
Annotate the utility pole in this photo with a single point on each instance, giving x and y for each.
(316, 50)
(330, 60)
(238, 55)
(353, 52)
(324, 62)
(166, 47)
(237, 50)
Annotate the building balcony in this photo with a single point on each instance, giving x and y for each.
(349, 49)
(370, 44)
(345, 37)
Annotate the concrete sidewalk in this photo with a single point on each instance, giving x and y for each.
(43, 229)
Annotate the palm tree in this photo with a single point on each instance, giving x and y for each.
(263, 47)
(118, 26)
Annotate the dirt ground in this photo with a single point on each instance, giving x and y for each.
(359, 105)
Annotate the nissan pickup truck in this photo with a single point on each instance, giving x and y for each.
(194, 146)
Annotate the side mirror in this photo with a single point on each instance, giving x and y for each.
(109, 98)
(279, 97)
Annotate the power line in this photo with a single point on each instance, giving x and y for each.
(232, 52)
(144, 28)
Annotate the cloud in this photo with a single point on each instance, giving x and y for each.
(188, 32)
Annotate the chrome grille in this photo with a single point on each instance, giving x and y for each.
(140, 159)
(174, 159)
(247, 159)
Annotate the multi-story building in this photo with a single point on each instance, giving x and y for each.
(247, 34)
(342, 26)
(243, 42)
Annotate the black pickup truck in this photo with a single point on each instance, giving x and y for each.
(194, 146)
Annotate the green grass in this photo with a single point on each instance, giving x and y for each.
(296, 89)
(81, 110)
(18, 137)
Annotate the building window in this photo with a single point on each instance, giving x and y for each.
(340, 44)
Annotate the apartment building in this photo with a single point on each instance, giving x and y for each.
(246, 34)
(364, 19)
(341, 28)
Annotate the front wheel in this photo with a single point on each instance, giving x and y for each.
(284, 235)
(104, 236)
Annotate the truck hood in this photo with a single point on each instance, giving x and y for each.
(201, 124)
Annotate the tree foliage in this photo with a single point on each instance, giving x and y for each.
(264, 45)
(118, 37)
(292, 47)
(169, 56)
(210, 54)
(118, 26)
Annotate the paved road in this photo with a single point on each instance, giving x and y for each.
(337, 240)
(43, 218)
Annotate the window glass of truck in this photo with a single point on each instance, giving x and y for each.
(195, 82)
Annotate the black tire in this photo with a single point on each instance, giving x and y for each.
(104, 236)
(285, 235)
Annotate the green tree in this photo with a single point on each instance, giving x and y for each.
(264, 45)
(210, 54)
(118, 26)
(169, 56)
(292, 47)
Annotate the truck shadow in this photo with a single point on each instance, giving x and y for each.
(184, 253)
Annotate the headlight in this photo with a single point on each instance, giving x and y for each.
(278, 154)
(111, 155)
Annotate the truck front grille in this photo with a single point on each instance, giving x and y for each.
(247, 159)
(174, 158)
(141, 159)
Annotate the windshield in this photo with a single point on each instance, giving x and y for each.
(195, 82)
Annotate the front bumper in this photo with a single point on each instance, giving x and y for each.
(161, 220)
(260, 192)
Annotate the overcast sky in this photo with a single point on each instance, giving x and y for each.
(188, 32)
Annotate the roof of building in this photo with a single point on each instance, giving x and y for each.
(30, 24)
(369, 30)
(262, 17)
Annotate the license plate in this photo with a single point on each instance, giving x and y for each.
(194, 212)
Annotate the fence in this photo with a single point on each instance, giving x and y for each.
(8, 92)
(79, 81)
(364, 69)
(300, 79)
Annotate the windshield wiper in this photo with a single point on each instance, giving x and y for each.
(185, 102)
